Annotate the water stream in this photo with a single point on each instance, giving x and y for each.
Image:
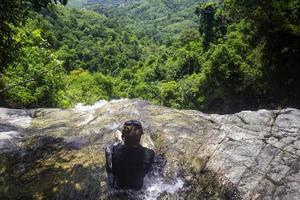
(155, 183)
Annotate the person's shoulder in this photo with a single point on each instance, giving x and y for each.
(112, 147)
(149, 151)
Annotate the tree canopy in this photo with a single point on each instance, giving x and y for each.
(14, 13)
(212, 56)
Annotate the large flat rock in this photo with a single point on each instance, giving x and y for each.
(58, 154)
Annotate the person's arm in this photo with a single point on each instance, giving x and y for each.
(149, 160)
(108, 165)
(109, 151)
(108, 156)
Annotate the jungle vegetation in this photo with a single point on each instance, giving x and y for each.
(213, 56)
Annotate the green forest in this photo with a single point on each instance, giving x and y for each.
(213, 56)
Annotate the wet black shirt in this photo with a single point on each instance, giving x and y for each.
(128, 165)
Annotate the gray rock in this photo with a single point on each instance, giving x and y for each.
(58, 154)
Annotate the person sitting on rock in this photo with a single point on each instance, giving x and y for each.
(128, 162)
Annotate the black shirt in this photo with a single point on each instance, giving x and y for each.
(128, 165)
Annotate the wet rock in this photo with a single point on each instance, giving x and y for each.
(58, 154)
(13, 125)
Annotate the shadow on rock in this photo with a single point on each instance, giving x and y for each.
(51, 168)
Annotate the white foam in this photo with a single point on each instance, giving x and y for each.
(157, 187)
(18, 118)
(22, 121)
(8, 135)
(86, 108)
(90, 111)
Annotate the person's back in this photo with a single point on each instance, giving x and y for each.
(128, 163)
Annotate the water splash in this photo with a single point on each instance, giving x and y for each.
(154, 188)
(155, 185)
(158, 186)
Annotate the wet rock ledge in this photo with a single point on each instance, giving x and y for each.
(58, 154)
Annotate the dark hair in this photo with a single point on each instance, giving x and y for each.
(132, 132)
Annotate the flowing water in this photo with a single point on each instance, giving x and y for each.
(155, 183)
(12, 126)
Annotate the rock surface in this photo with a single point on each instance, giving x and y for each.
(58, 154)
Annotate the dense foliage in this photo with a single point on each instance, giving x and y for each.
(14, 13)
(215, 57)
(156, 20)
(277, 30)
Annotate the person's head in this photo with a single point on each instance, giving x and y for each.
(132, 132)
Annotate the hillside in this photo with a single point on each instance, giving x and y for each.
(158, 20)
(76, 3)
(212, 56)
(87, 3)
